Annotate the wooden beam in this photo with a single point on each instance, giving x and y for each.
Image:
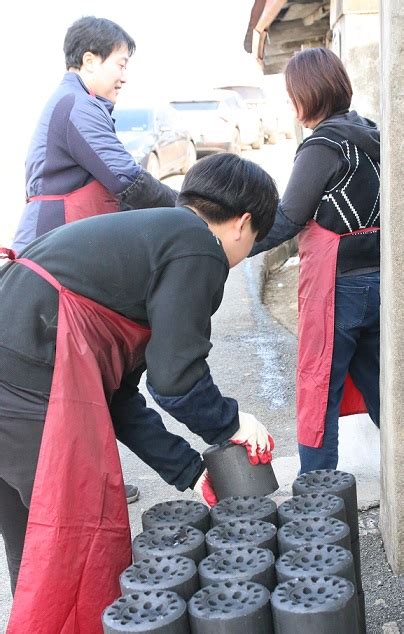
(270, 12)
(300, 11)
(262, 15)
(295, 31)
(255, 15)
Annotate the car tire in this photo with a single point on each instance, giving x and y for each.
(191, 157)
(153, 165)
(257, 145)
(235, 146)
(272, 138)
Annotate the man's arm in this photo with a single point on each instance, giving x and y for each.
(180, 302)
(95, 147)
(142, 430)
(180, 305)
(203, 410)
(146, 191)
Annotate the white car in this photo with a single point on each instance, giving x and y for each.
(218, 121)
(250, 123)
(255, 99)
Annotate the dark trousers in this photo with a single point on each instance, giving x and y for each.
(20, 440)
(356, 349)
(13, 523)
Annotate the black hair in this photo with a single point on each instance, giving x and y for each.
(96, 35)
(224, 186)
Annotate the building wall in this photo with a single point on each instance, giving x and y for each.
(392, 284)
(355, 28)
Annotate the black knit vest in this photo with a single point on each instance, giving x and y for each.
(351, 202)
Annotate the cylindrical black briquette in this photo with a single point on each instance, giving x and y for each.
(232, 474)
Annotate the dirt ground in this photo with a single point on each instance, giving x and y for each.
(384, 592)
(280, 294)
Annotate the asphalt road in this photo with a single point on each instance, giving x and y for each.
(252, 360)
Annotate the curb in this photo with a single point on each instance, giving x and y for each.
(274, 259)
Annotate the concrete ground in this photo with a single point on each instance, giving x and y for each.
(359, 454)
(359, 438)
(253, 359)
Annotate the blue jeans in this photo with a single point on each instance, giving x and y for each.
(357, 350)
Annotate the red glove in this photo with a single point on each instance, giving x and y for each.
(255, 438)
(204, 488)
(262, 457)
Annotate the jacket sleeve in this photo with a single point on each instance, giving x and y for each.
(181, 302)
(313, 168)
(145, 192)
(142, 430)
(282, 229)
(203, 410)
(93, 144)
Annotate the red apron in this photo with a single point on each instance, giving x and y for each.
(318, 250)
(78, 538)
(91, 200)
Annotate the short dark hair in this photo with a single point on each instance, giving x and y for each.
(224, 186)
(317, 84)
(96, 35)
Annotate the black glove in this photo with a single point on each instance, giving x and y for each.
(147, 192)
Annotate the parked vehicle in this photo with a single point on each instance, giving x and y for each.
(249, 121)
(156, 139)
(255, 99)
(219, 121)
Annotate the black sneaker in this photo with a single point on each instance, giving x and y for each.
(132, 493)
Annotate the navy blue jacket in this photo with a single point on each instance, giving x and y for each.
(73, 145)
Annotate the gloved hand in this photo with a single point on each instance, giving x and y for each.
(204, 488)
(255, 438)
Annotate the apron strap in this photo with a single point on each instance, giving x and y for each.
(359, 231)
(37, 268)
(7, 253)
(30, 199)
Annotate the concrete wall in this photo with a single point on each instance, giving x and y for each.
(356, 35)
(392, 334)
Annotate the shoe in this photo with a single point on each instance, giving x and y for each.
(132, 493)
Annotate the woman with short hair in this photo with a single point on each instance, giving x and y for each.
(332, 201)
